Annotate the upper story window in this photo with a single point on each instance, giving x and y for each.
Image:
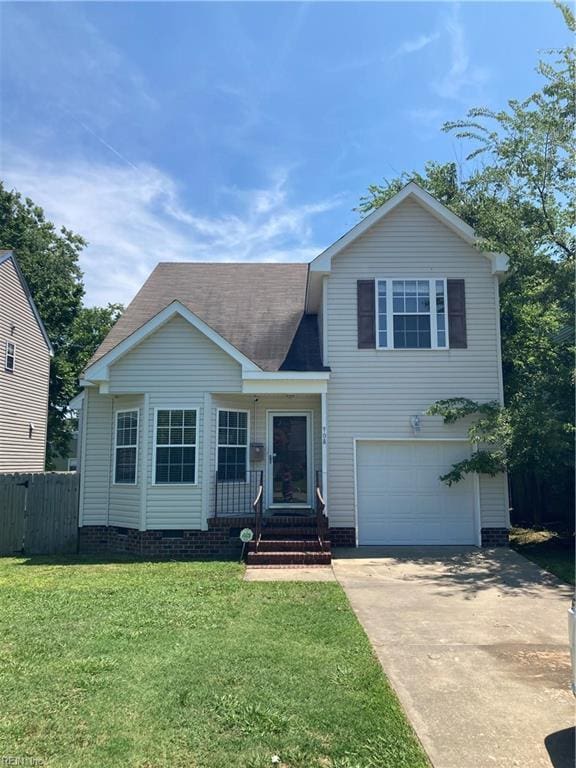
(175, 446)
(10, 356)
(126, 447)
(411, 314)
(232, 445)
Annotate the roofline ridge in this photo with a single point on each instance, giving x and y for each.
(239, 263)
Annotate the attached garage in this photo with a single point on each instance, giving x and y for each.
(401, 501)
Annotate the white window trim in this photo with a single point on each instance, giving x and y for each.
(247, 446)
(13, 356)
(169, 445)
(390, 314)
(116, 414)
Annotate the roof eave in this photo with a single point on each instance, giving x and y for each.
(99, 370)
(323, 262)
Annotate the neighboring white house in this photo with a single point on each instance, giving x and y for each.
(312, 375)
(24, 373)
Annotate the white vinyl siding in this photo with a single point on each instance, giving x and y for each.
(97, 461)
(493, 498)
(177, 358)
(176, 366)
(23, 391)
(373, 394)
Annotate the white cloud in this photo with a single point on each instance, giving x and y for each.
(462, 79)
(415, 44)
(134, 217)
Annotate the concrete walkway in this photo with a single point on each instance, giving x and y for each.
(475, 644)
(289, 573)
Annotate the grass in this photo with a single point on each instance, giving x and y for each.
(550, 550)
(153, 664)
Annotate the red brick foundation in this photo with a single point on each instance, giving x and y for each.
(342, 537)
(220, 540)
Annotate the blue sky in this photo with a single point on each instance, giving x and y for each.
(240, 131)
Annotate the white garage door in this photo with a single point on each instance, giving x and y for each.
(402, 501)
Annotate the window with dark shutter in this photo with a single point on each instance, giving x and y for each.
(366, 314)
(457, 314)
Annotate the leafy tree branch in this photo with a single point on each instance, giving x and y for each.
(489, 434)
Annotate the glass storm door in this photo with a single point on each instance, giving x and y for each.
(289, 459)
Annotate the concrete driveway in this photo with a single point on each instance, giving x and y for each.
(475, 644)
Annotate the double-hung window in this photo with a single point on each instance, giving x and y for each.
(10, 356)
(411, 314)
(232, 445)
(175, 446)
(126, 447)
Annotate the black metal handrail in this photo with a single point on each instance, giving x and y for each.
(234, 498)
(321, 520)
(257, 507)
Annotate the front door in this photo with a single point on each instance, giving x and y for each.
(289, 459)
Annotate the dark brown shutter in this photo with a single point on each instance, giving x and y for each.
(457, 314)
(366, 314)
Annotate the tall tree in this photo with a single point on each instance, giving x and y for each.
(49, 261)
(520, 200)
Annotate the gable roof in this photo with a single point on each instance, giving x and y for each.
(255, 307)
(322, 264)
(10, 256)
(411, 190)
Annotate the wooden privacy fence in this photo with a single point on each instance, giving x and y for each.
(39, 513)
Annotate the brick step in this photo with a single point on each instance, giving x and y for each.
(289, 558)
(289, 545)
(278, 521)
(289, 533)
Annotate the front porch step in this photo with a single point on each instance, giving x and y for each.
(289, 558)
(289, 532)
(290, 545)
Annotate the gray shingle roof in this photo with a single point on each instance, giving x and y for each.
(256, 307)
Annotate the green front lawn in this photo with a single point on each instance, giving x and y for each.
(186, 665)
(548, 549)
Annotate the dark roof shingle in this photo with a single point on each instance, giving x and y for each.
(256, 307)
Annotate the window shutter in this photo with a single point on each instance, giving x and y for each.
(366, 314)
(457, 314)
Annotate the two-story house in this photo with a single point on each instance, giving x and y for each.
(24, 373)
(303, 388)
